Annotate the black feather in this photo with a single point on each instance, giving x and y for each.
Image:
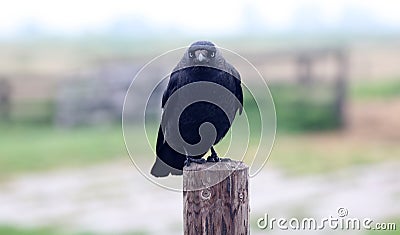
(221, 73)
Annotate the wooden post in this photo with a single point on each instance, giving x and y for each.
(341, 79)
(304, 69)
(216, 198)
(5, 96)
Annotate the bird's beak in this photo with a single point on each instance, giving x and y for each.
(201, 55)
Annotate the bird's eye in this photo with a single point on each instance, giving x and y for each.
(212, 54)
(190, 54)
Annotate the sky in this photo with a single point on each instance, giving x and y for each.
(211, 16)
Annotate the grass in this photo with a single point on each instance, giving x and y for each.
(39, 147)
(35, 148)
(376, 90)
(302, 108)
(31, 143)
(318, 153)
(30, 148)
(386, 232)
(9, 230)
(383, 232)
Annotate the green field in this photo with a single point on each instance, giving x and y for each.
(376, 90)
(7, 230)
(27, 149)
(34, 148)
(31, 142)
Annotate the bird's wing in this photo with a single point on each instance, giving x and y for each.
(238, 87)
(172, 87)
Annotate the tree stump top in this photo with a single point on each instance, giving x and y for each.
(206, 175)
(229, 165)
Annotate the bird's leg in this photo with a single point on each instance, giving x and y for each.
(214, 157)
(195, 160)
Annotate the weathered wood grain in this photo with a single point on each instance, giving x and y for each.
(216, 199)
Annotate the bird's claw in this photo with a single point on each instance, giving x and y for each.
(213, 158)
(225, 159)
(189, 160)
(218, 159)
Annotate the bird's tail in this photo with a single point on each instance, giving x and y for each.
(161, 169)
(168, 161)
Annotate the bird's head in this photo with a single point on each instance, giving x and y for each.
(202, 53)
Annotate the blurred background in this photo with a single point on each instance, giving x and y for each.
(333, 68)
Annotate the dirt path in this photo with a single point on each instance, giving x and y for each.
(115, 198)
(375, 119)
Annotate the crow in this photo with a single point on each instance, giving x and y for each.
(200, 102)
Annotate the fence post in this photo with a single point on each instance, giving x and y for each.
(304, 69)
(5, 96)
(341, 84)
(216, 198)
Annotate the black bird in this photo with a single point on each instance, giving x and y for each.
(202, 98)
